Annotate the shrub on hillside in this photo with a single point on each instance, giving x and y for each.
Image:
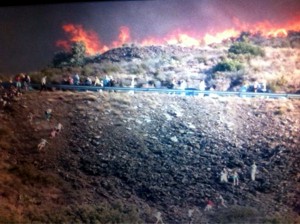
(88, 70)
(135, 68)
(163, 77)
(54, 75)
(244, 36)
(278, 84)
(61, 59)
(228, 66)
(246, 48)
(294, 39)
(76, 57)
(78, 53)
(98, 69)
(110, 67)
(237, 79)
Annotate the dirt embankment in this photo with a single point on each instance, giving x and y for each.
(124, 157)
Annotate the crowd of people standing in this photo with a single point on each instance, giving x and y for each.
(106, 81)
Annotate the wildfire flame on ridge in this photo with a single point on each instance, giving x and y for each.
(93, 44)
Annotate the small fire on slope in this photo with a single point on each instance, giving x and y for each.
(94, 46)
(268, 29)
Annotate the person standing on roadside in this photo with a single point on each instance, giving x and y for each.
(26, 82)
(18, 83)
(43, 83)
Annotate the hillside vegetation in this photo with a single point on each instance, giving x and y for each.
(226, 66)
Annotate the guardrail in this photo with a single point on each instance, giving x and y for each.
(187, 92)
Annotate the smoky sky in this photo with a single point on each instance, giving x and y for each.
(28, 33)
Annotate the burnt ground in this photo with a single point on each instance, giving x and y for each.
(122, 157)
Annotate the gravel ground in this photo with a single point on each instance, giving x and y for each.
(162, 153)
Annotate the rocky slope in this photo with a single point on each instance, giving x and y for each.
(123, 157)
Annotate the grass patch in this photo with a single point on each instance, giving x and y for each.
(246, 48)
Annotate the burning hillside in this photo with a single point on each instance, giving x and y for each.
(94, 45)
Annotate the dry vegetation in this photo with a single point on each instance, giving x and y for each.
(279, 66)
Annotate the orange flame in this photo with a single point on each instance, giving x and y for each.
(268, 29)
(183, 39)
(90, 38)
(220, 36)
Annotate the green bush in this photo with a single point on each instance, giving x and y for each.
(228, 66)
(237, 79)
(61, 59)
(76, 57)
(246, 48)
